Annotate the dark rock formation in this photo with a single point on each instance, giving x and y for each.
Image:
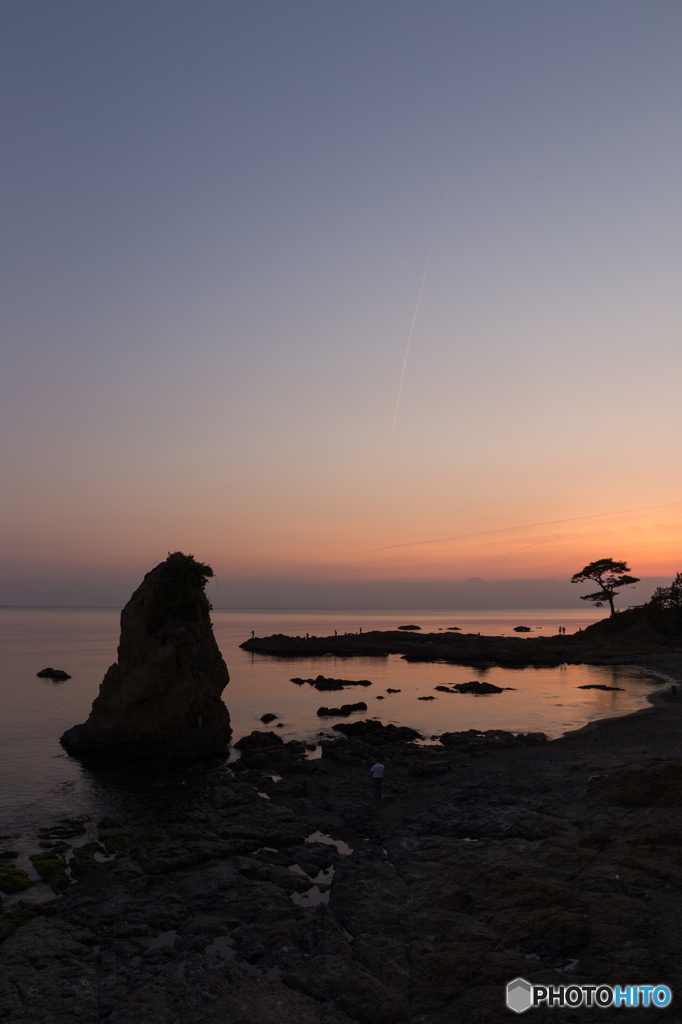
(378, 732)
(323, 683)
(656, 785)
(522, 629)
(475, 687)
(409, 627)
(268, 750)
(266, 719)
(345, 709)
(599, 686)
(483, 862)
(600, 644)
(53, 673)
(472, 739)
(162, 696)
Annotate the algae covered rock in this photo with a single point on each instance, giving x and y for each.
(83, 860)
(52, 869)
(13, 879)
(163, 695)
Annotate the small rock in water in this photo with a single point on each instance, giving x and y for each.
(268, 718)
(323, 683)
(475, 687)
(53, 673)
(522, 629)
(389, 690)
(409, 627)
(599, 686)
(345, 709)
(426, 698)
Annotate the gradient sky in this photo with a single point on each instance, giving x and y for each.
(215, 221)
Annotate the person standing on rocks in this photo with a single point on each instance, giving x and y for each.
(377, 771)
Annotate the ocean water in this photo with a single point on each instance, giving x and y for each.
(40, 782)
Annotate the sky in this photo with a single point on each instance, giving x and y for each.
(215, 224)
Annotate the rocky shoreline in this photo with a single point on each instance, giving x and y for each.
(594, 646)
(285, 893)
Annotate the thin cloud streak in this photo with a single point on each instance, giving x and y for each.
(527, 526)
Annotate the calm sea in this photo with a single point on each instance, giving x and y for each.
(40, 783)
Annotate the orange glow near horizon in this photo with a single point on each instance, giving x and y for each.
(649, 539)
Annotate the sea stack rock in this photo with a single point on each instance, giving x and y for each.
(163, 695)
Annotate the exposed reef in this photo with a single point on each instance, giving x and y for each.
(612, 642)
(162, 696)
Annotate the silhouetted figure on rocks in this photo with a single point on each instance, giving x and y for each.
(377, 771)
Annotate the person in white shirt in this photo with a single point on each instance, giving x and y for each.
(377, 771)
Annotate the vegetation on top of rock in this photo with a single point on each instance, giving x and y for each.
(603, 572)
(668, 598)
(662, 613)
(179, 593)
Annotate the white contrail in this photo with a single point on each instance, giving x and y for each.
(416, 308)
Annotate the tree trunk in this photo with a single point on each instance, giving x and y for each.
(609, 598)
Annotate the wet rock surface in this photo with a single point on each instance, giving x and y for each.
(163, 695)
(305, 900)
